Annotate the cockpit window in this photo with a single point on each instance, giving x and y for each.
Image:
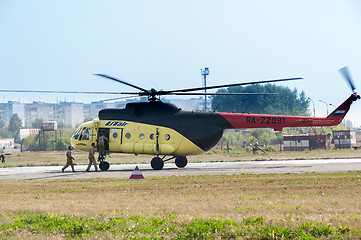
(77, 133)
(85, 134)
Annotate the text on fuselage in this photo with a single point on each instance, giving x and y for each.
(116, 123)
(266, 120)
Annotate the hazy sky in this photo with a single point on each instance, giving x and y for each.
(58, 45)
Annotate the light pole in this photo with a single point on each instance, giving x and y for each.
(313, 103)
(326, 105)
(204, 73)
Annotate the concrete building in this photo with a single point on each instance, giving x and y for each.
(8, 109)
(344, 138)
(7, 145)
(25, 132)
(91, 110)
(301, 142)
(69, 114)
(38, 110)
(358, 137)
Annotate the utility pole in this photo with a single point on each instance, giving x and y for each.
(314, 111)
(326, 105)
(204, 73)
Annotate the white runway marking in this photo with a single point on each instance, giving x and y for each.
(212, 168)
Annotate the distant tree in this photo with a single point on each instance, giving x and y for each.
(287, 102)
(348, 123)
(37, 123)
(2, 124)
(14, 124)
(264, 136)
(4, 133)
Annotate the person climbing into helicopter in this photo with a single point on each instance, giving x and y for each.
(102, 141)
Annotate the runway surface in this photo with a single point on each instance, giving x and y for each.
(214, 168)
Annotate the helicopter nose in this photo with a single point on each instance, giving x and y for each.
(72, 142)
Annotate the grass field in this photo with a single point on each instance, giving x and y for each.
(270, 206)
(277, 206)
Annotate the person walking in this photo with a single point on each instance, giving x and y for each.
(69, 160)
(92, 158)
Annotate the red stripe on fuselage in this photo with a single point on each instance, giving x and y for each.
(278, 122)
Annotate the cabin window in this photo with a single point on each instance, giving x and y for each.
(167, 137)
(77, 133)
(115, 135)
(141, 136)
(151, 136)
(127, 135)
(85, 134)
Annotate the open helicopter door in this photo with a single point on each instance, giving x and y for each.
(105, 133)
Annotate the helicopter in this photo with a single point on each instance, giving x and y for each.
(162, 129)
(167, 132)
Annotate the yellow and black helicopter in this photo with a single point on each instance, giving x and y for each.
(164, 130)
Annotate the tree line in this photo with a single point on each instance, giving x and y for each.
(12, 130)
(286, 102)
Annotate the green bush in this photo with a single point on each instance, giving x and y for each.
(249, 149)
(269, 149)
(166, 227)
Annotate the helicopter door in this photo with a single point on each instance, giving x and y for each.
(116, 136)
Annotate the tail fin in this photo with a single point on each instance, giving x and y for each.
(339, 113)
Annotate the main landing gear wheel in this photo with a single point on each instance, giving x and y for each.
(181, 161)
(157, 163)
(104, 166)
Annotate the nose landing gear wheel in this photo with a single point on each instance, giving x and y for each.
(181, 161)
(157, 163)
(104, 166)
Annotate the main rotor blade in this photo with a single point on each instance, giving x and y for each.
(233, 85)
(222, 94)
(120, 81)
(118, 98)
(46, 91)
(346, 74)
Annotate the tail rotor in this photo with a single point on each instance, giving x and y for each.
(347, 76)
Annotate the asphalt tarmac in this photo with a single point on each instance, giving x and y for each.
(214, 168)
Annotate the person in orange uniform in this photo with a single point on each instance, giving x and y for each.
(92, 158)
(69, 160)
